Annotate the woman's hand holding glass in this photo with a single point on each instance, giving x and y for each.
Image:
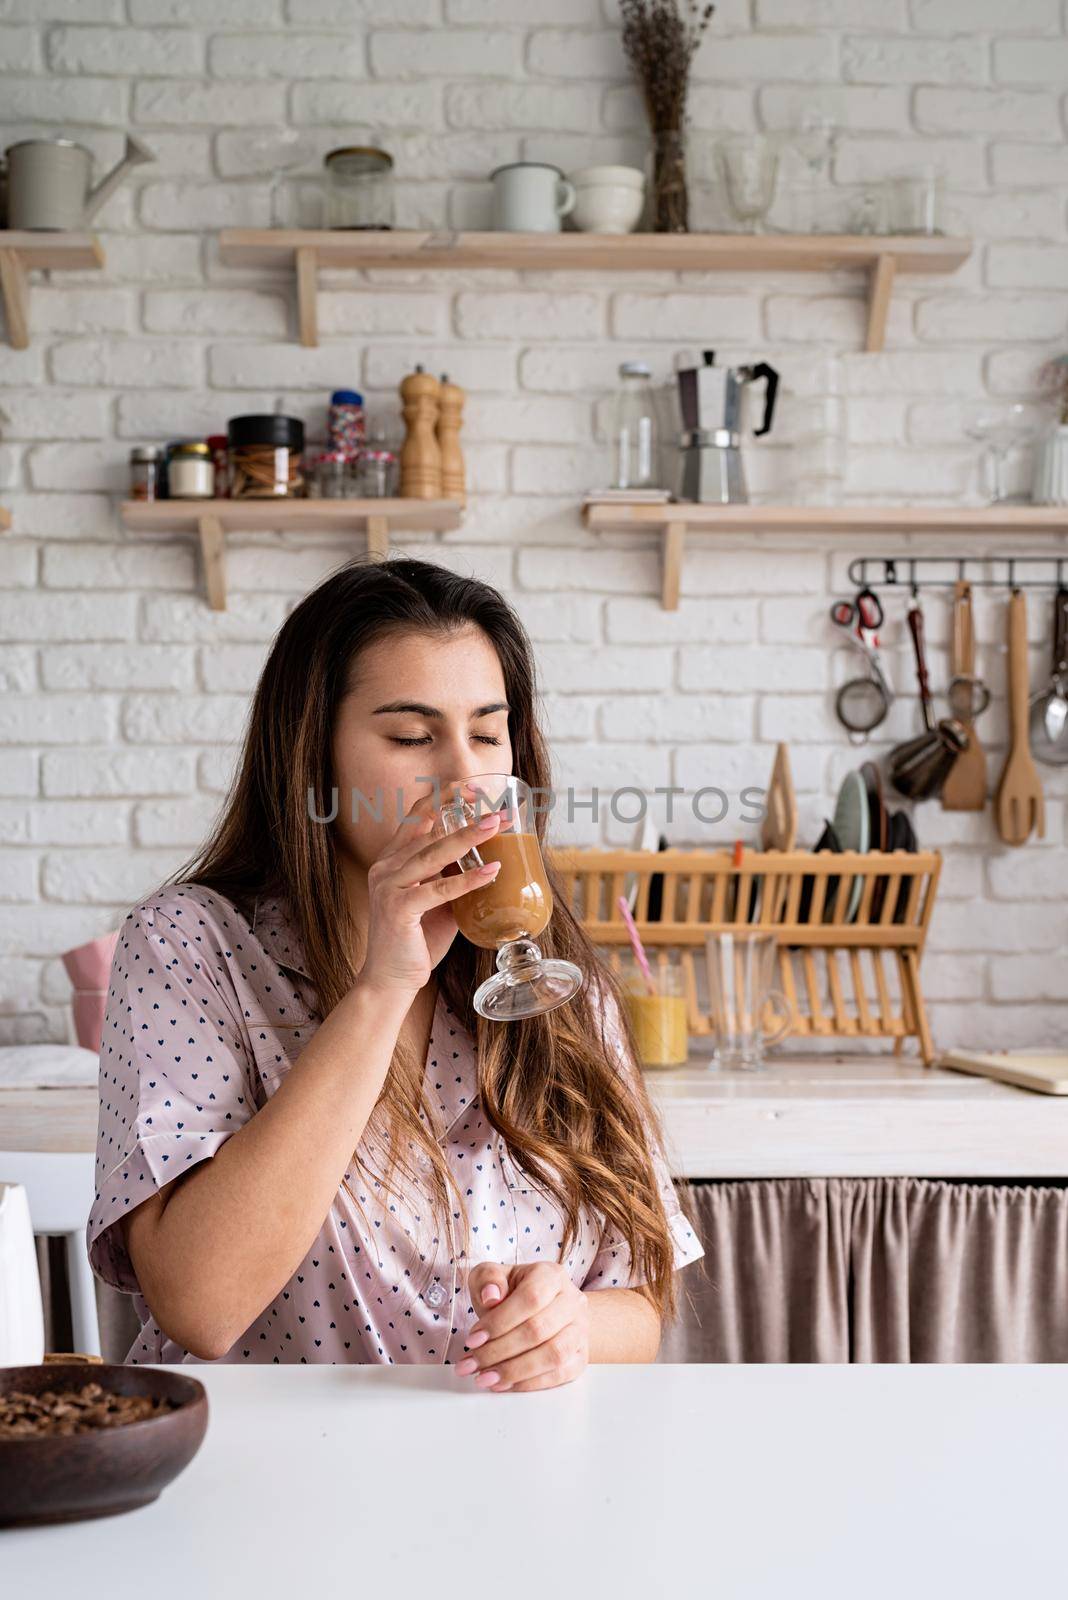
(410, 920)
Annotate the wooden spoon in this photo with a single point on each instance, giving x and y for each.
(965, 787)
(1018, 804)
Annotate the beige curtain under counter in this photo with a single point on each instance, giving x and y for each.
(874, 1269)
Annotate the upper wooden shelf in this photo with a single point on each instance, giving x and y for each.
(21, 252)
(211, 520)
(674, 519)
(881, 256)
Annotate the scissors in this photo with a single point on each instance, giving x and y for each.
(861, 616)
(862, 703)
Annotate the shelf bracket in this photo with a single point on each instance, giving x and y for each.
(15, 287)
(213, 558)
(308, 295)
(880, 289)
(674, 544)
(378, 537)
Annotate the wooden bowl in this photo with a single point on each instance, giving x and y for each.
(65, 1477)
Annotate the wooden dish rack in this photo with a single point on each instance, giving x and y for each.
(844, 976)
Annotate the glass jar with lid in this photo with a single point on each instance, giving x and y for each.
(377, 469)
(190, 472)
(633, 424)
(266, 456)
(359, 189)
(144, 472)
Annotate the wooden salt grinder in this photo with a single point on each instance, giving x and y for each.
(453, 486)
(420, 459)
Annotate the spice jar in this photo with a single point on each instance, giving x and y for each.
(330, 478)
(144, 472)
(359, 187)
(218, 445)
(378, 470)
(190, 474)
(265, 456)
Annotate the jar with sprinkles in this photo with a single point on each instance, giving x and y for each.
(346, 424)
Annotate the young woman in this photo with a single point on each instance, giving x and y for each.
(392, 1177)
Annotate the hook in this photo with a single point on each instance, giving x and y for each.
(961, 564)
(890, 575)
(913, 585)
(1013, 586)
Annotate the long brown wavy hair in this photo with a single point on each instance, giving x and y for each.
(550, 1084)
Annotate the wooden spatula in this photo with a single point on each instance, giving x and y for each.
(1018, 804)
(965, 787)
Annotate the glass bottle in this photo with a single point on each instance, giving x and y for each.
(634, 442)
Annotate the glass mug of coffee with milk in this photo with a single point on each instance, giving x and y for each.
(508, 913)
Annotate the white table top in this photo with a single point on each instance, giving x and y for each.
(633, 1481)
(826, 1114)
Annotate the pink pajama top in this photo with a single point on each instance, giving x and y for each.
(190, 1052)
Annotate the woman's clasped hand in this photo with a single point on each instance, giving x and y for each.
(533, 1330)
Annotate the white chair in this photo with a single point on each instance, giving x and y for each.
(61, 1187)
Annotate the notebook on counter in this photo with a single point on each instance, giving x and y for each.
(1047, 1072)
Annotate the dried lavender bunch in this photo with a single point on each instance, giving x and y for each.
(660, 41)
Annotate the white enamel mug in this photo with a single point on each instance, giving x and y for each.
(530, 197)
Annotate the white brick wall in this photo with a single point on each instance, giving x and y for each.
(124, 695)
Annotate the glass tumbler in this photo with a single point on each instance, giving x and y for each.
(658, 1018)
(748, 166)
(508, 914)
(918, 201)
(740, 968)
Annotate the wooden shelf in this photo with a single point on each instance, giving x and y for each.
(675, 519)
(211, 520)
(881, 257)
(22, 252)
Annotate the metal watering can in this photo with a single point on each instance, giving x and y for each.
(49, 183)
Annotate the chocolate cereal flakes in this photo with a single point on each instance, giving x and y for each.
(63, 1411)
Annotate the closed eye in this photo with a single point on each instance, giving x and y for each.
(481, 737)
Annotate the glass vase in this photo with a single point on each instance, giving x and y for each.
(670, 201)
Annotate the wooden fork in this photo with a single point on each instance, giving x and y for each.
(1019, 808)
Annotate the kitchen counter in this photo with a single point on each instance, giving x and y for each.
(830, 1115)
(866, 1116)
(754, 1482)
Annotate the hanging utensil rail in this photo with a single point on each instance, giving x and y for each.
(903, 572)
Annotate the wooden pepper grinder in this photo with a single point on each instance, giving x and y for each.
(420, 459)
(453, 485)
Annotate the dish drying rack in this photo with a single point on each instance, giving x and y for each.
(848, 963)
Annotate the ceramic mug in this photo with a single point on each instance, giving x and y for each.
(608, 199)
(530, 197)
